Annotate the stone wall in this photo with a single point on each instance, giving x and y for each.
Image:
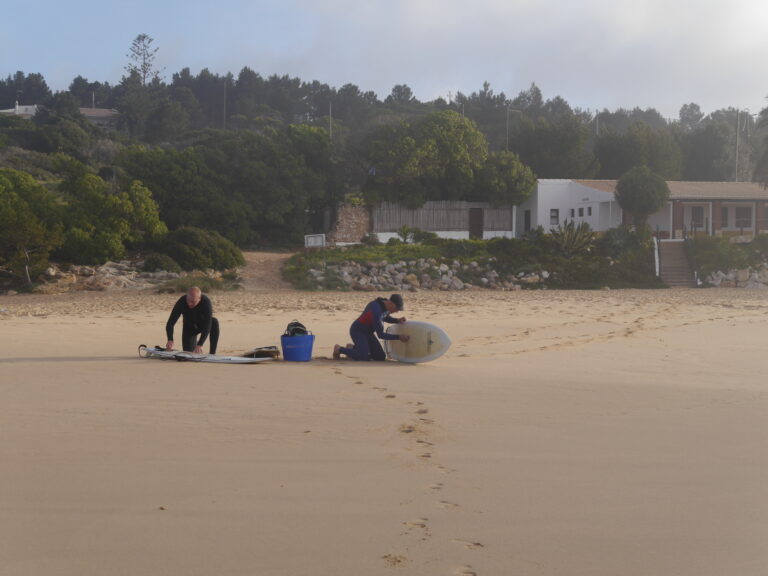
(352, 223)
(754, 279)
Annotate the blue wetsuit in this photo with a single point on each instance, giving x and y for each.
(365, 329)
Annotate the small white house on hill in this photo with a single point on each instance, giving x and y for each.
(23, 111)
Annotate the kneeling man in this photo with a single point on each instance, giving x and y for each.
(197, 311)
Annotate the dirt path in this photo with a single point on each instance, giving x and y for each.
(262, 271)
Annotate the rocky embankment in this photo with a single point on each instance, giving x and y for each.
(121, 275)
(754, 279)
(422, 274)
(405, 276)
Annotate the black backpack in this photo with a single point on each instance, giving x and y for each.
(296, 328)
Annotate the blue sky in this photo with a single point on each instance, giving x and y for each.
(595, 54)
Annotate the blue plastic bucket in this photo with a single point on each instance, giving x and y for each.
(297, 348)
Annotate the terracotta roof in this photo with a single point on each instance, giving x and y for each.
(697, 190)
(602, 185)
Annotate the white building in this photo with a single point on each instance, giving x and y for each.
(738, 210)
(103, 117)
(553, 202)
(22, 111)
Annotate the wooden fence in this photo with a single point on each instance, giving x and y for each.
(444, 216)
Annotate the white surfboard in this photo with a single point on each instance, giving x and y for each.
(428, 342)
(163, 354)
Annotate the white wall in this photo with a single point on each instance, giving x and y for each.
(569, 198)
(488, 234)
(451, 235)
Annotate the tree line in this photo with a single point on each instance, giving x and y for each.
(263, 160)
(552, 138)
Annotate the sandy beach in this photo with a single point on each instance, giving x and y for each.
(594, 433)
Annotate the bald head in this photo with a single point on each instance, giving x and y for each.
(194, 294)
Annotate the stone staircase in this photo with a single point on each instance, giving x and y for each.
(675, 270)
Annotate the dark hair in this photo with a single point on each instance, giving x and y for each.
(397, 300)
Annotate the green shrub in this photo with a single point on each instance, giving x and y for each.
(614, 242)
(759, 248)
(406, 234)
(711, 253)
(462, 249)
(410, 235)
(370, 239)
(198, 249)
(296, 271)
(425, 237)
(92, 247)
(572, 239)
(155, 262)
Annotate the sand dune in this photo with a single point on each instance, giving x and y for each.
(580, 433)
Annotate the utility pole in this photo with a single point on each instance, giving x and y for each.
(737, 145)
(508, 111)
(224, 116)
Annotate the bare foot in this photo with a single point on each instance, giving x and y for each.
(336, 351)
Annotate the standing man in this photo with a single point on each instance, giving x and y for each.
(197, 311)
(369, 325)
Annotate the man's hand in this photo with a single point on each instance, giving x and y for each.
(169, 345)
(401, 320)
(404, 337)
(198, 349)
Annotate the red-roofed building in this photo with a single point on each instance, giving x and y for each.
(734, 209)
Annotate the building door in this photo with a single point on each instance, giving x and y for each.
(476, 223)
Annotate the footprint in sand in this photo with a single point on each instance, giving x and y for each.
(465, 571)
(407, 429)
(394, 559)
(468, 544)
(447, 505)
(418, 523)
(421, 525)
(436, 486)
(425, 456)
(390, 396)
(422, 411)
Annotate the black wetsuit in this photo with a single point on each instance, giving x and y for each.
(197, 320)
